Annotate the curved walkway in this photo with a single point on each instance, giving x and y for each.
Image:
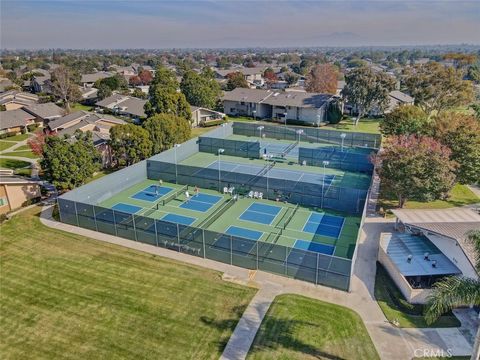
(392, 343)
(33, 163)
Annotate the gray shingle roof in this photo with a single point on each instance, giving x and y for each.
(91, 78)
(400, 96)
(127, 104)
(14, 118)
(45, 111)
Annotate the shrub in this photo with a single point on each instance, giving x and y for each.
(212, 123)
(8, 134)
(32, 127)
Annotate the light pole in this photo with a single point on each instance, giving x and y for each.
(220, 152)
(260, 128)
(325, 164)
(299, 132)
(343, 135)
(285, 116)
(175, 146)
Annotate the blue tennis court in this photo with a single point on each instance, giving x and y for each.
(127, 208)
(260, 213)
(314, 246)
(324, 225)
(152, 193)
(179, 219)
(244, 233)
(201, 202)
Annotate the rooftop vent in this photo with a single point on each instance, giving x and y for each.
(426, 256)
(409, 258)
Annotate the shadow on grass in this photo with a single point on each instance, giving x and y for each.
(274, 334)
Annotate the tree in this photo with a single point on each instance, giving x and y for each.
(236, 80)
(135, 81)
(476, 110)
(130, 143)
(270, 76)
(200, 89)
(145, 76)
(163, 96)
(104, 91)
(64, 86)
(291, 78)
(418, 168)
(322, 79)
(138, 93)
(115, 82)
(69, 164)
(461, 133)
(456, 291)
(165, 130)
(36, 143)
(367, 89)
(406, 120)
(437, 88)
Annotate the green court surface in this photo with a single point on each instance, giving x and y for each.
(285, 228)
(353, 180)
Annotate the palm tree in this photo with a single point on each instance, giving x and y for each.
(455, 291)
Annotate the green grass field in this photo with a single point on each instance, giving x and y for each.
(70, 297)
(460, 195)
(344, 245)
(12, 163)
(19, 137)
(4, 145)
(296, 327)
(26, 154)
(395, 307)
(77, 107)
(367, 125)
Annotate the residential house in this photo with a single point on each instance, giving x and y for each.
(15, 191)
(254, 76)
(88, 80)
(201, 115)
(124, 105)
(40, 82)
(5, 83)
(45, 112)
(15, 99)
(14, 121)
(89, 95)
(294, 107)
(98, 124)
(428, 246)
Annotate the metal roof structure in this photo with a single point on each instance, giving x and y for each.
(408, 253)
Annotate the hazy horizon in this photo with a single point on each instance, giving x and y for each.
(92, 24)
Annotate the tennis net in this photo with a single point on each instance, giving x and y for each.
(289, 148)
(287, 220)
(216, 214)
(174, 195)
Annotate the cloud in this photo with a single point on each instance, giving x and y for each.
(151, 24)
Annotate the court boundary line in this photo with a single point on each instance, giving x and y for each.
(260, 212)
(239, 227)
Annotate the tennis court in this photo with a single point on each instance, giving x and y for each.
(126, 208)
(323, 224)
(152, 193)
(260, 213)
(179, 219)
(244, 233)
(200, 202)
(314, 246)
(274, 173)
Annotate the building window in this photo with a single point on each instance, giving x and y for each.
(3, 201)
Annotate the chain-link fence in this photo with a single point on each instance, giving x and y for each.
(257, 255)
(346, 159)
(246, 149)
(315, 135)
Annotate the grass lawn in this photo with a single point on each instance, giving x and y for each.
(296, 327)
(23, 148)
(12, 164)
(364, 125)
(77, 107)
(27, 154)
(23, 172)
(4, 145)
(395, 307)
(19, 137)
(460, 195)
(70, 297)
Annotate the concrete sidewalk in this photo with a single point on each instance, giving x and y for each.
(392, 343)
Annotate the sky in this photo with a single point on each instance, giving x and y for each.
(91, 24)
